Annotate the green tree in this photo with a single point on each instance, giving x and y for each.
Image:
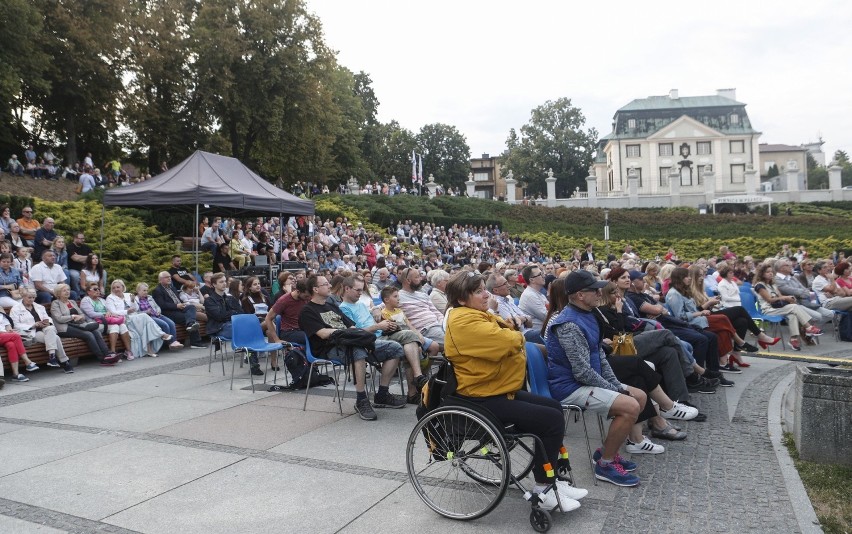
(387, 150)
(23, 64)
(552, 139)
(446, 154)
(841, 157)
(369, 101)
(86, 44)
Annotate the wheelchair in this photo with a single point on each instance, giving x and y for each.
(461, 460)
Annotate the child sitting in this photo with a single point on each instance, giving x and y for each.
(392, 312)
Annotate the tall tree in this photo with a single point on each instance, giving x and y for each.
(387, 150)
(86, 44)
(552, 139)
(446, 153)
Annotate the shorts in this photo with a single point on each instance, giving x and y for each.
(385, 350)
(594, 399)
(404, 337)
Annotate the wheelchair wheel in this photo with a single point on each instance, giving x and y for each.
(540, 520)
(448, 443)
(521, 449)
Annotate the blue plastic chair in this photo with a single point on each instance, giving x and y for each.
(223, 348)
(248, 337)
(537, 375)
(313, 362)
(749, 302)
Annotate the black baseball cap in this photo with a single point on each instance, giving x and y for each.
(580, 280)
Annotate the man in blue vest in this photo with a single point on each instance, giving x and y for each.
(578, 373)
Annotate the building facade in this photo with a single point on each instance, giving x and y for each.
(663, 138)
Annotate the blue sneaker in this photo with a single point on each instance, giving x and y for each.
(627, 465)
(615, 474)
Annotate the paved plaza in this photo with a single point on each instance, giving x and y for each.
(164, 446)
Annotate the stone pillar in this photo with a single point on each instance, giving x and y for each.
(354, 186)
(709, 184)
(469, 184)
(632, 188)
(674, 186)
(511, 191)
(551, 189)
(431, 186)
(592, 188)
(752, 181)
(822, 411)
(792, 173)
(834, 171)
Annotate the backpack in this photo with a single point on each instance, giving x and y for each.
(844, 327)
(298, 367)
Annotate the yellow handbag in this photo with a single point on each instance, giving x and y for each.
(622, 345)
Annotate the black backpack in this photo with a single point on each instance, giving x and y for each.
(298, 367)
(844, 327)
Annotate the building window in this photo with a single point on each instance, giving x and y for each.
(481, 176)
(701, 170)
(664, 176)
(634, 151)
(685, 176)
(703, 148)
(735, 118)
(737, 147)
(738, 174)
(667, 149)
(631, 123)
(637, 172)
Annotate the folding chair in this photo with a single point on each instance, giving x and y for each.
(248, 337)
(749, 302)
(313, 361)
(223, 348)
(537, 374)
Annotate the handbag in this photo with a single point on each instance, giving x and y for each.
(89, 326)
(623, 345)
(354, 337)
(111, 319)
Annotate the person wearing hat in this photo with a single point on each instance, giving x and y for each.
(578, 373)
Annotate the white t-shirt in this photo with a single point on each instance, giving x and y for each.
(50, 276)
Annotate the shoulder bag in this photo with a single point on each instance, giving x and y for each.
(622, 342)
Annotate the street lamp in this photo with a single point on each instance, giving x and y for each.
(606, 230)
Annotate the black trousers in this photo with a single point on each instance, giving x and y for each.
(531, 414)
(741, 320)
(633, 371)
(703, 342)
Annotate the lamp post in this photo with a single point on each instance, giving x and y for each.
(606, 230)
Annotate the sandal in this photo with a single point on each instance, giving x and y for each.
(669, 432)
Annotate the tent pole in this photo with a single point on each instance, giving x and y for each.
(195, 238)
(103, 214)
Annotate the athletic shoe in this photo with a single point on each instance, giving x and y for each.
(725, 383)
(547, 501)
(615, 474)
(111, 359)
(414, 399)
(32, 367)
(795, 344)
(365, 410)
(747, 347)
(680, 412)
(813, 331)
(730, 368)
(176, 345)
(701, 386)
(627, 465)
(389, 400)
(21, 378)
(567, 490)
(68, 369)
(419, 382)
(256, 371)
(192, 327)
(197, 345)
(53, 362)
(646, 447)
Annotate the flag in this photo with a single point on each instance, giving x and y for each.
(420, 171)
(413, 167)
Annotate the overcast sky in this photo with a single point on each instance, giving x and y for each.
(483, 65)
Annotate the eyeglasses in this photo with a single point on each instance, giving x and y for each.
(501, 285)
(536, 276)
(27, 211)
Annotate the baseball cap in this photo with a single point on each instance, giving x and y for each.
(580, 280)
(636, 274)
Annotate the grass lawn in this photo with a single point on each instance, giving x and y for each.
(829, 488)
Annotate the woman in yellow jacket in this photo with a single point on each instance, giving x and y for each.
(489, 361)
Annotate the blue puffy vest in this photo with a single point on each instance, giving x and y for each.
(560, 377)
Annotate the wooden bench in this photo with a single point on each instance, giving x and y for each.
(76, 349)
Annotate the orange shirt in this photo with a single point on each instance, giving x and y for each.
(28, 226)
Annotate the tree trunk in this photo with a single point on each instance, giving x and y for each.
(71, 135)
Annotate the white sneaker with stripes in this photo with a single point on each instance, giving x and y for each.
(646, 447)
(679, 412)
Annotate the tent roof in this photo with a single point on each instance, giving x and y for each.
(205, 178)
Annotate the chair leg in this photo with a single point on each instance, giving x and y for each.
(251, 375)
(338, 396)
(588, 443)
(224, 347)
(233, 368)
(308, 389)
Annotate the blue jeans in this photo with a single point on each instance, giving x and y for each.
(166, 325)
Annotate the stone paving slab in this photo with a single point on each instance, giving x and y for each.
(250, 425)
(256, 496)
(45, 445)
(8, 427)
(316, 403)
(103, 481)
(159, 385)
(68, 405)
(148, 414)
(19, 526)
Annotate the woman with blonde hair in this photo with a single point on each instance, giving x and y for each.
(148, 305)
(772, 302)
(146, 338)
(665, 278)
(652, 282)
(71, 322)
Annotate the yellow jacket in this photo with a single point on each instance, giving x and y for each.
(487, 354)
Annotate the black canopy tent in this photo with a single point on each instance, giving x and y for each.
(205, 179)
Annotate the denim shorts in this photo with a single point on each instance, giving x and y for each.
(385, 350)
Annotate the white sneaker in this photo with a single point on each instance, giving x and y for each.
(566, 490)
(680, 412)
(646, 447)
(549, 501)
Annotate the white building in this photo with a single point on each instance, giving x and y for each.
(665, 138)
